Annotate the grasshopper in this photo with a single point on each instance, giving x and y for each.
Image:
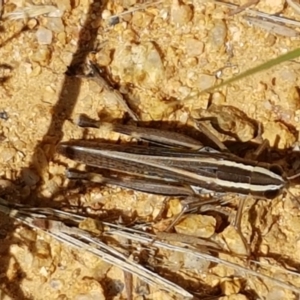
(183, 167)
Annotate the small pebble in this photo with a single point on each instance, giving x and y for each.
(197, 225)
(235, 241)
(42, 55)
(180, 14)
(229, 286)
(205, 81)
(194, 47)
(44, 36)
(55, 25)
(217, 35)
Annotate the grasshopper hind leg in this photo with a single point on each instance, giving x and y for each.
(237, 224)
(189, 204)
(202, 203)
(212, 204)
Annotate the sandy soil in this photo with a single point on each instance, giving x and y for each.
(160, 57)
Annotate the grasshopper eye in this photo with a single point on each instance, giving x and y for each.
(277, 190)
(276, 169)
(271, 194)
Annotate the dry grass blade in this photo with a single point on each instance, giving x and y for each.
(242, 270)
(272, 27)
(42, 218)
(243, 7)
(83, 240)
(33, 11)
(136, 8)
(188, 239)
(114, 257)
(252, 12)
(295, 6)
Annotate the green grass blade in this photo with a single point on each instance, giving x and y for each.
(267, 65)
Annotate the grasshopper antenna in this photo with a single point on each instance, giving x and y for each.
(290, 178)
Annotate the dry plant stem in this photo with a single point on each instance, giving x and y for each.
(118, 260)
(295, 6)
(31, 12)
(256, 13)
(83, 240)
(243, 7)
(128, 280)
(272, 27)
(128, 284)
(144, 238)
(188, 239)
(113, 93)
(265, 265)
(137, 8)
